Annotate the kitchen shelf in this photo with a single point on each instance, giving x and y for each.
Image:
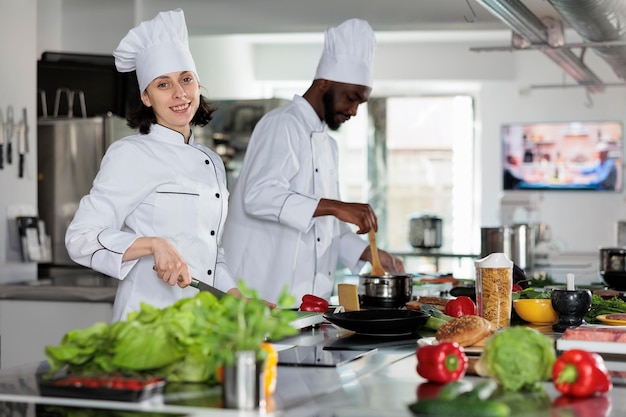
(435, 254)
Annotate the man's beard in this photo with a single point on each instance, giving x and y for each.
(329, 110)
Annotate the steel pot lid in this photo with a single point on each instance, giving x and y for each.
(387, 275)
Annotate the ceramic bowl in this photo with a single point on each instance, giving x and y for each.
(535, 310)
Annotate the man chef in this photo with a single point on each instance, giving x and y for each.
(160, 198)
(287, 226)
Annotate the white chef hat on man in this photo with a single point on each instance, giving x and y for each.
(348, 53)
(156, 47)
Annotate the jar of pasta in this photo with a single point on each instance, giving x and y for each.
(494, 283)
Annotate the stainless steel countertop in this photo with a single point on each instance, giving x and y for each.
(382, 384)
(62, 288)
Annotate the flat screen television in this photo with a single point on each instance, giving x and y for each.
(579, 155)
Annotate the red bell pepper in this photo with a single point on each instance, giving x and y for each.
(460, 306)
(579, 373)
(442, 363)
(313, 303)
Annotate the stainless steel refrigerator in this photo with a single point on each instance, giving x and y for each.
(69, 152)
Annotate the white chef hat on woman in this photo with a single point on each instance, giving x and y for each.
(156, 47)
(348, 53)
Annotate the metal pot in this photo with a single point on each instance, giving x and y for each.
(613, 267)
(425, 231)
(386, 291)
(516, 241)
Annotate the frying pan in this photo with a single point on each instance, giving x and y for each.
(380, 322)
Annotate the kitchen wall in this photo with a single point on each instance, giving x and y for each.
(432, 63)
(18, 88)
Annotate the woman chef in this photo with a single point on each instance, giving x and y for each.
(159, 199)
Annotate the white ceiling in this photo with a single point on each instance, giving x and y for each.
(211, 17)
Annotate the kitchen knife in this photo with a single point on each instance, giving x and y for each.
(9, 134)
(22, 143)
(21, 133)
(202, 286)
(1, 141)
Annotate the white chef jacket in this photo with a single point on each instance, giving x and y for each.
(271, 239)
(153, 185)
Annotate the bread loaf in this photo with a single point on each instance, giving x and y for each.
(465, 330)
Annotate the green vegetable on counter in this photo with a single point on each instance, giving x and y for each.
(437, 317)
(600, 306)
(184, 342)
(532, 293)
(518, 358)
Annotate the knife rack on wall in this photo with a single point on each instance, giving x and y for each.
(8, 130)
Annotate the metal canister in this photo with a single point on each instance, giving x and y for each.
(243, 382)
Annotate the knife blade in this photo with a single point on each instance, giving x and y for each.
(21, 132)
(203, 286)
(9, 137)
(1, 141)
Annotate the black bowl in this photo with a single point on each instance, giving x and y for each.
(615, 280)
(380, 322)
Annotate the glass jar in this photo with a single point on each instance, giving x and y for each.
(494, 284)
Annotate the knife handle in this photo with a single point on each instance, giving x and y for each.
(20, 170)
(1, 156)
(9, 153)
(194, 282)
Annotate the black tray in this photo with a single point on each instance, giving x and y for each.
(380, 322)
(56, 388)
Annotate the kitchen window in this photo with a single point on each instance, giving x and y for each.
(414, 155)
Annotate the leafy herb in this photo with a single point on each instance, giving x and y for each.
(532, 293)
(600, 306)
(540, 279)
(184, 342)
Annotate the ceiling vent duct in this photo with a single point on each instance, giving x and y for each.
(598, 21)
(527, 25)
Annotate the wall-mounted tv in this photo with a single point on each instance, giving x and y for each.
(580, 155)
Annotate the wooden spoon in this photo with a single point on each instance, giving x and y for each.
(377, 268)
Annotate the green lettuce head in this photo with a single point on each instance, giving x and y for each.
(518, 358)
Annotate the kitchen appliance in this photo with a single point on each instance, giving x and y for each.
(613, 267)
(319, 356)
(387, 291)
(516, 241)
(425, 231)
(380, 322)
(69, 151)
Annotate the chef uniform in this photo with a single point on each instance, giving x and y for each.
(272, 240)
(154, 185)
